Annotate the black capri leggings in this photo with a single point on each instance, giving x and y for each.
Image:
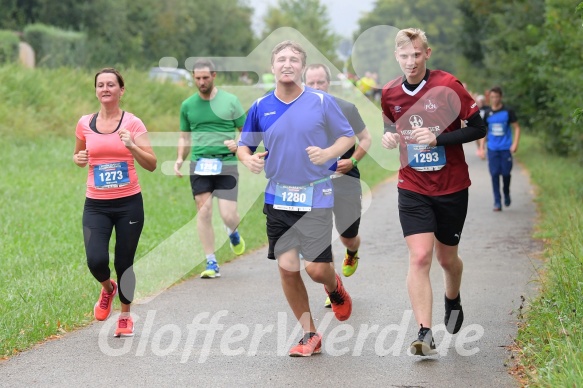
(99, 218)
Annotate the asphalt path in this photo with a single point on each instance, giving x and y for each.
(237, 330)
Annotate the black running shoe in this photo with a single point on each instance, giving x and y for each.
(453, 309)
(424, 344)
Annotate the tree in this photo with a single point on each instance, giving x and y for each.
(140, 32)
(578, 113)
(309, 17)
(440, 19)
(17, 14)
(558, 59)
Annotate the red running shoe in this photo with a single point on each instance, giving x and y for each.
(310, 344)
(341, 301)
(102, 309)
(125, 326)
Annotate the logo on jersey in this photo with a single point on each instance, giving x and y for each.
(269, 113)
(430, 106)
(416, 121)
(397, 108)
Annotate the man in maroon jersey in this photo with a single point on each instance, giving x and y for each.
(423, 111)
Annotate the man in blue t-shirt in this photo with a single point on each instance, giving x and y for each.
(303, 131)
(501, 145)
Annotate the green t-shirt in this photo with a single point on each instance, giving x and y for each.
(211, 122)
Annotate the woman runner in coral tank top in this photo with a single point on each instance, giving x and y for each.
(109, 142)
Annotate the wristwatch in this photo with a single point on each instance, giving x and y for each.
(354, 161)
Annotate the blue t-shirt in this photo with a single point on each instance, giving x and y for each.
(286, 130)
(499, 128)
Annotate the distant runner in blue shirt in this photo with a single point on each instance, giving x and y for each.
(501, 145)
(303, 131)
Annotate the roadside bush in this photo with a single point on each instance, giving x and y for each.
(55, 47)
(8, 47)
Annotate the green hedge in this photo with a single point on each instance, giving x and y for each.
(55, 47)
(8, 47)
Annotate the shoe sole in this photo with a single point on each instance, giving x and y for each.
(348, 274)
(202, 276)
(318, 351)
(343, 317)
(421, 349)
(123, 335)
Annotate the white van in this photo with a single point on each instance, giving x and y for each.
(175, 76)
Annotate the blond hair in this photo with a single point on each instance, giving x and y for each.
(407, 35)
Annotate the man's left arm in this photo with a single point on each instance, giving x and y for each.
(364, 142)
(516, 137)
(238, 121)
(475, 129)
(232, 144)
(467, 111)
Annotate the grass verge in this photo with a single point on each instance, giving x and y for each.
(551, 337)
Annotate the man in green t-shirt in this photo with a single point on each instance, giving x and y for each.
(209, 122)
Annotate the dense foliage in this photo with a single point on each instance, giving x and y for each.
(533, 49)
(440, 19)
(307, 16)
(8, 47)
(140, 33)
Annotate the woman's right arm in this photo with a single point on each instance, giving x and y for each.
(81, 155)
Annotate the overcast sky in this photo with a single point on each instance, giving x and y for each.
(344, 14)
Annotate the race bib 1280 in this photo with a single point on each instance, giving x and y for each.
(293, 198)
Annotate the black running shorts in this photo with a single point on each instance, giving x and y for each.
(222, 186)
(442, 215)
(347, 209)
(308, 232)
(347, 205)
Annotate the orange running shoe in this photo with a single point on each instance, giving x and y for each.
(125, 326)
(341, 301)
(102, 308)
(310, 344)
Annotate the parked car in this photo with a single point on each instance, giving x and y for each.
(175, 76)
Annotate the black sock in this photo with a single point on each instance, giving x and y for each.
(453, 301)
(351, 253)
(424, 329)
(309, 335)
